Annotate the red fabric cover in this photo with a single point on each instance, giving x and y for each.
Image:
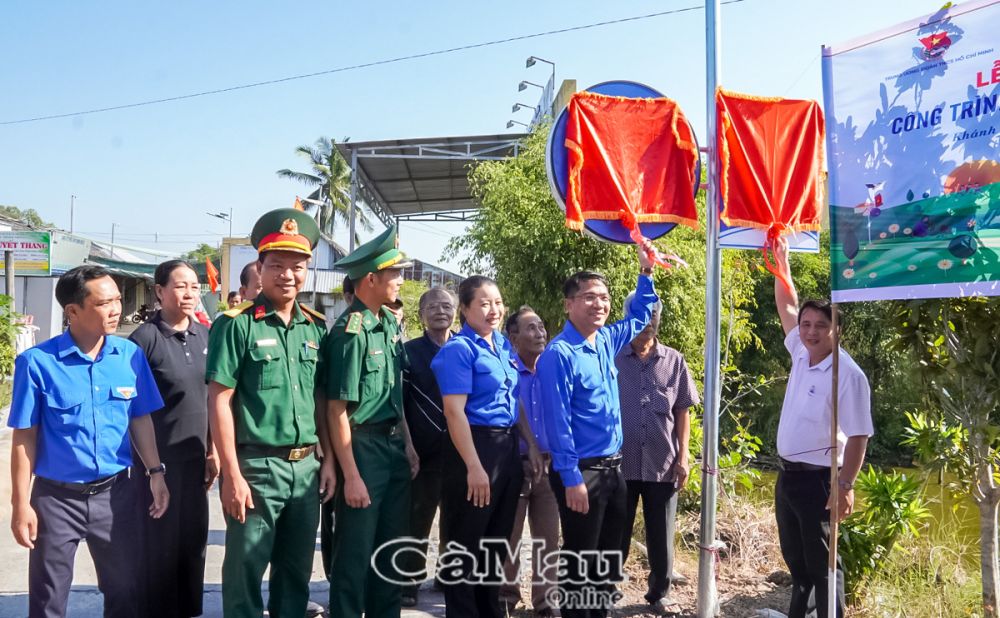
(770, 164)
(629, 159)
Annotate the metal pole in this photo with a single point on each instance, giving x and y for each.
(354, 197)
(72, 202)
(708, 604)
(831, 581)
(113, 240)
(8, 272)
(230, 222)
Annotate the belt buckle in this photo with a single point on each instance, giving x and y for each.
(297, 454)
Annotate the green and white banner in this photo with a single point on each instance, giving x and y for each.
(913, 134)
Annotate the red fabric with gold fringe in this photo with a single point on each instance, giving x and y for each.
(770, 165)
(629, 159)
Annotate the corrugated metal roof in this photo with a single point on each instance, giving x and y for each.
(328, 280)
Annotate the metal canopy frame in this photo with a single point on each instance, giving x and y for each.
(421, 179)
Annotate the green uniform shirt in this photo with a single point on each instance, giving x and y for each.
(364, 357)
(273, 368)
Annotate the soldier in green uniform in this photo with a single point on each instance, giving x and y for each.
(261, 370)
(364, 358)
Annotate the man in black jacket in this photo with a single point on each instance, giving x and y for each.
(425, 417)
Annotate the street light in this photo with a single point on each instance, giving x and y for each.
(519, 106)
(532, 59)
(225, 217)
(524, 86)
(511, 123)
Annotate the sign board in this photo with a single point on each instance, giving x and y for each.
(32, 252)
(913, 134)
(68, 252)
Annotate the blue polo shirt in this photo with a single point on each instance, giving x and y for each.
(467, 365)
(81, 406)
(579, 385)
(529, 394)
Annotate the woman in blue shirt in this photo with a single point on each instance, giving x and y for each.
(482, 470)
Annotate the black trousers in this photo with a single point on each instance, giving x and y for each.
(593, 543)
(107, 521)
(326, 524)
(466, 525)
(425, 498)
(659, 508)
(174, 545)
(804, 534)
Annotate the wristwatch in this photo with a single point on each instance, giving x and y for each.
(845, 485)
(646, 270)
(160, 469)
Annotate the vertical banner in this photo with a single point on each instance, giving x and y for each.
(913, 135)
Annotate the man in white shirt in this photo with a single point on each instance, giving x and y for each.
(802, 493)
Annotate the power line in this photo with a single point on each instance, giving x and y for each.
(364, 65)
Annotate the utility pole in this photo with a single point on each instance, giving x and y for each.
(113, 240)
(72, 203)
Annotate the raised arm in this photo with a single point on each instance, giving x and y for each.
(785, 298)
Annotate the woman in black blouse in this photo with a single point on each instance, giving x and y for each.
(175, 343)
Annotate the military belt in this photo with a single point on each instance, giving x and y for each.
(388, 428)
(291, 453)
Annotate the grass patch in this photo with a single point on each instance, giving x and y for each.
(931, 576)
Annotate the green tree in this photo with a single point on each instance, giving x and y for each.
(957, 345)
(330, 176)
(198, 255)
(29, 217)
(410, 293)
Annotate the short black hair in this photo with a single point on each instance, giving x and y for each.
(512, 325)
(573, 284)
(163, 270)
(229, 298)
(823, 306)
(245, 274)
(348, 287)
(71, 289)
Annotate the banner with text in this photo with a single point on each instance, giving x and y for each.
(31, 251)
(913, 135)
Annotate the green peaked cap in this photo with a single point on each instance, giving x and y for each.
(380, 253)
(285, 229)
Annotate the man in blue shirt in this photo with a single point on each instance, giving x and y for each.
(582, 417)
(77, 397)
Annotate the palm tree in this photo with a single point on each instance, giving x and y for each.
(331, 178)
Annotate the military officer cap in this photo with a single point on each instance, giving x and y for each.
(377, 254)
(285, 229)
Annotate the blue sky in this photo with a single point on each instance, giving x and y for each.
(158, 169)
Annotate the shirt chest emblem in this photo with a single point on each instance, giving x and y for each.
(312, 345)
(266, 343)
(125, 391)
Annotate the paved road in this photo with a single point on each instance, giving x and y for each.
(86, 601)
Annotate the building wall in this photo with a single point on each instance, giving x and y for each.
(36, 296)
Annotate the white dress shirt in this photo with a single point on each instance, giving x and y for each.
(804, 428)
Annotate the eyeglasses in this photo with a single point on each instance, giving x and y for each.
(590, 299)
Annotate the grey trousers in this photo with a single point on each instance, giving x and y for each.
(538, 503)
(107, 521)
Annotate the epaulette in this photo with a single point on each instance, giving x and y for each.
(238, 309)
(353, 323)
(309, 311)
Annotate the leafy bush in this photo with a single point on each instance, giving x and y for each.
(894, 508)
(8, 335)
